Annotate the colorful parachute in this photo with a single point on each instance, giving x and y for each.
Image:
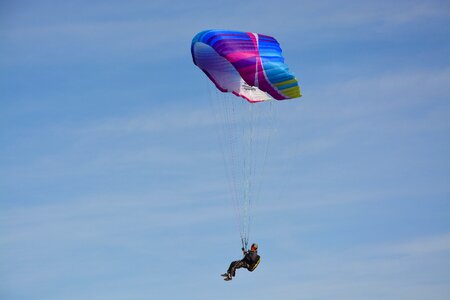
(250, 66)
(247, 64)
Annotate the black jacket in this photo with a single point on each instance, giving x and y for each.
(252, 259)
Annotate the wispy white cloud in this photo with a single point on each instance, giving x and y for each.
(366, 105)
(353, 272)
(95, 218)
(37, 241)
(163, 120)
(428, 245)
(95, 39)
(383, 14)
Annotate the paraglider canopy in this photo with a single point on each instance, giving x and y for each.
(246, 64)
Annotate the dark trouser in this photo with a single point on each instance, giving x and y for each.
(236, 265)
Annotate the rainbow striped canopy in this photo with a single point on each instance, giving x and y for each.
(247, 64)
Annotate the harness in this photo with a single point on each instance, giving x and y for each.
(254, 265)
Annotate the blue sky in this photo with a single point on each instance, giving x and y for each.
(111, 179)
